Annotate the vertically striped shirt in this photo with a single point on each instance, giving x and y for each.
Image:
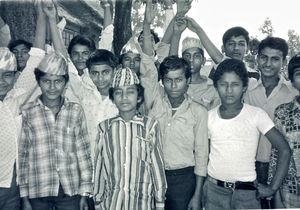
(129, 168)
(54, 151)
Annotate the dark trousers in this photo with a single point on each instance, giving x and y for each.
(60, 202)
(10, 197)
(181, 188)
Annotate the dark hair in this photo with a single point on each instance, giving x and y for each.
(274, 43)
(231, 65)
(293, 64)
(234, 32)
(15, 43)
(155, 36)
(140, 90)
(172, 63)
(102, 57)
(38, 74)
(82, 40)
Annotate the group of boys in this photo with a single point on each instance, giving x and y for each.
(147, 130)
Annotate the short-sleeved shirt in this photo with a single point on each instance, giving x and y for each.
(233, 143)
(287, 120)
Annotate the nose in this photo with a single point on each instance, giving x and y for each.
(236, 46)
(229, 89)
(124, 96)
(52, 85)
(268, 63)
(173, 85)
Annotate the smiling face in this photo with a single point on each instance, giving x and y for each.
(79, 55)
(236, 47)
(194, 57)
(52, 86)
(22, 55)
(132, 61)
(175, 84)
(102, 76)
(7, 81)
(230, 88)
(270, 61)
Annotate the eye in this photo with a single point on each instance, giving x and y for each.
(117, 92)
(94, 73)
(198, 56)
(105, 72)
(187, 56)
(58, 82)
(45, 81)
(167, 80)
(74, 54)
(242, 44)
(137, 59)
(8, 75)
(179, 80)
(86, 53)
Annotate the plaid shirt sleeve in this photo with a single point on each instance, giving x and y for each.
(83, 156)
(23, 152)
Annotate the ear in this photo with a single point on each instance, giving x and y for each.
(203, 61)
(245, 89)
(188, 80)
(284, 62)
(223, 49)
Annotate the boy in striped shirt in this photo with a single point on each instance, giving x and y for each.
(129, 167)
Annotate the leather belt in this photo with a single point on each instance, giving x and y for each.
(233, 185)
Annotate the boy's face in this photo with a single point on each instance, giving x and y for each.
(22, 54)
(230, 88)
(270, 61)
(132, 61)
(296, 76)
(102, 76)
(236, 47)
(79, 55)
(195, 58)
(52, 86)
(7, 81)
(175, 83)
(126, 98)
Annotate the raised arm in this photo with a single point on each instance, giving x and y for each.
(180, 25)
(211, 49)
(51, 13)
(106, 38)
(148, 18)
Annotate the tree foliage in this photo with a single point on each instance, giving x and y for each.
(137, 15)
(267, 27)
(293, 42)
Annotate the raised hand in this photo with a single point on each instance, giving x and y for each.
(49, 9)
(150, 12)
(39, 8)
(192, 24)
(183, 6)
(180, 23)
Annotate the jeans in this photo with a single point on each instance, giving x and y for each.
(60, 202)
(181, 188)
(216, 197)
(10, 197)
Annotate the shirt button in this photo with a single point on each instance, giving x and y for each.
(169, 124)
(57, 169)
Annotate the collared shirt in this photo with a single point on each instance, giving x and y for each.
(204, 93)
(287, 120)
(256, 96)
(54, 151)
(96, 108)
(184, 134)
(10, 124)
(129, 168)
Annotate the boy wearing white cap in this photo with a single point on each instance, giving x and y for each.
(129, 168)
(200, 88)
(55, 167)
(9, 125)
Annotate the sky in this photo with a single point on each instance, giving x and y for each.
(216, 16)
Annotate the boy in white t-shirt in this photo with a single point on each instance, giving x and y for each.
(234, 129)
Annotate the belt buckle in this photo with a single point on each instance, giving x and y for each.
(229, 185)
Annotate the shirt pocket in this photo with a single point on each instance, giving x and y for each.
(67, 139)
(144, 148)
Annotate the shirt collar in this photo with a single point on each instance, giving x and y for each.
(38, 102)
(137, 119)
(256, 83)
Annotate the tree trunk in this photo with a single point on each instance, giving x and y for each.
(122, 24)
(21, 17)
